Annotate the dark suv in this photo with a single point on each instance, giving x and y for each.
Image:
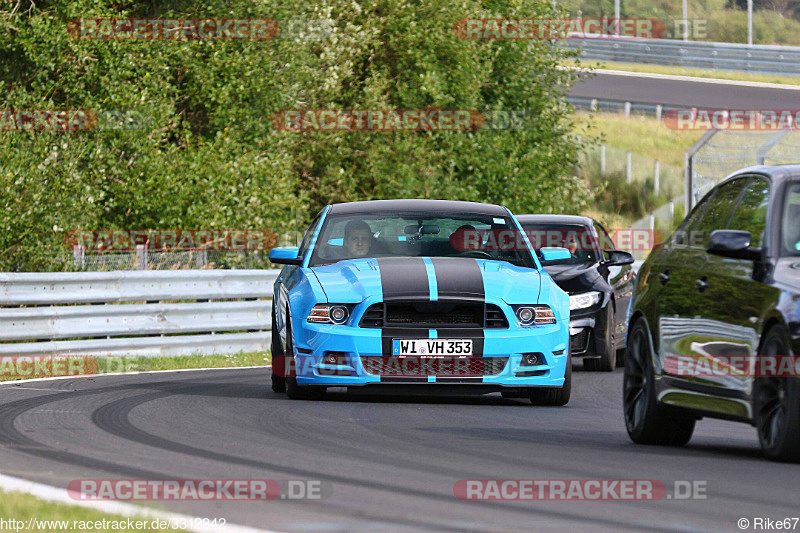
(715, 318)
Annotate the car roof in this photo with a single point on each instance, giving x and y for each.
(435, 207)
(556, 219)
(776, 172)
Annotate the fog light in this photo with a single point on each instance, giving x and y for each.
(331, 358)
(531, 359)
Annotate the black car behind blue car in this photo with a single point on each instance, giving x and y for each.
(598, 279)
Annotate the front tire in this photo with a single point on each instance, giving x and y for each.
(776, 405)
(278, 360)
(555, 397)
(293, 390)
(645, 421)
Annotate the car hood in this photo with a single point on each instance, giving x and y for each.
(787, 273)
(354, 280)
(575, 278)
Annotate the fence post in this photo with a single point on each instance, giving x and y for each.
(79, 253)
(602, 159)
(141, 257)
(656, 183)
(628, 168)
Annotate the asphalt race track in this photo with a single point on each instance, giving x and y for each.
(390, 462)
(672, 92)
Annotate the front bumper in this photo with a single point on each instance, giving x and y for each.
(355, 347)
(587, 332)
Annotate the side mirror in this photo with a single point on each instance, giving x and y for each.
(285, 256)
(732, 243)
(553, 253)
(618, 258)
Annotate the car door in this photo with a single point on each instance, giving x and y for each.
(736, 297)
(681, 303)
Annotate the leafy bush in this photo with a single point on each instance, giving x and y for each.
(209, 156)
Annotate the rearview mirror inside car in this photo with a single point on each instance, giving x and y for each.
(427, 229)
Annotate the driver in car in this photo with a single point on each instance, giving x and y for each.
(357, 238)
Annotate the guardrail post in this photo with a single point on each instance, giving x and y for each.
(659, 109)
(627, 110)
(602, 159)
(628, 176)
(593, 104)
(656, 177)
(671, 215)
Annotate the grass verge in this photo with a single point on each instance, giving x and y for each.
(58, 517)
(16, 370)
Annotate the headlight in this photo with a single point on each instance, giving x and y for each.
(530, 315)
(584, 300)
(329, 314)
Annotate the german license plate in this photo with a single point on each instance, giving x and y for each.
(432, 347)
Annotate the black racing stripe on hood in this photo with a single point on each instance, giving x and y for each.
(404, 278)
(459, 278)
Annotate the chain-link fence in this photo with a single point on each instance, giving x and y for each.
(723, 152)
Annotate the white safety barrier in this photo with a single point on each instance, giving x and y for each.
(136, 312)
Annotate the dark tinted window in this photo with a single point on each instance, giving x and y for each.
(790, 225)
(682, 236)
(751, 213)
(718, 212)
(579, 240)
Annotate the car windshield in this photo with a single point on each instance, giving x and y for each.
(790, 226)
(420, 235)
(578, 239)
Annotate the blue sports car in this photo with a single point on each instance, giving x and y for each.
(419, 292)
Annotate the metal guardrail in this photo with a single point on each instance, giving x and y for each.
(136, 312)
(726, 56)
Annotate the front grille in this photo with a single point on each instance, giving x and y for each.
(434, 315)
(434, 366)
(373, 317)
(495, 317)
